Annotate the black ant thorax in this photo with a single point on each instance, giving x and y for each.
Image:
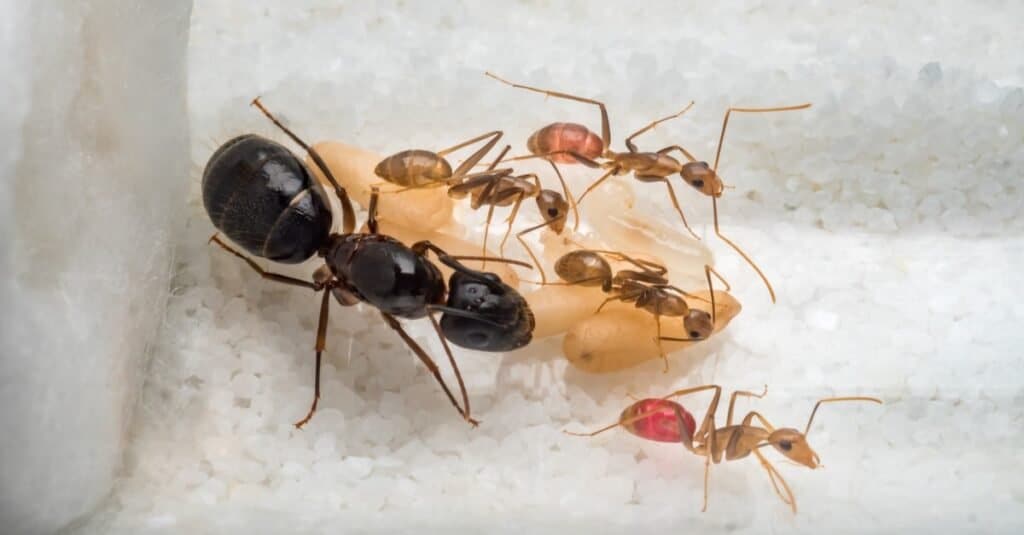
(385, 273)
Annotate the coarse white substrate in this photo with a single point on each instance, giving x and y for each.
(888, 216)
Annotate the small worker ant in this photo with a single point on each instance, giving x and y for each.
(498, 187)
(645, 166)
(658, 166)
(261, 196)
(645, 286)
(648, 419)
(418, 168)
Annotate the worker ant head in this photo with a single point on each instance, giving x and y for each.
(793, 444)
(553, 208)
(698, 324)
(702, 178)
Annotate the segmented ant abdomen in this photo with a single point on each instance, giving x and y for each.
(263, 198)
(657, 419)
(497, 317)
(553, 208)
(702, 178)
(414, 168)
(698, 324)
(585, 268)
(565, 137)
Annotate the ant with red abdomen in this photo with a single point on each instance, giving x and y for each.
(657, 166)
(647, 418)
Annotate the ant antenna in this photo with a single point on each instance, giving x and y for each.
(830, 400)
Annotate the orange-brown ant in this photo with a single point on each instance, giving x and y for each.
(658, 166)
(646, 287)
(647, 419)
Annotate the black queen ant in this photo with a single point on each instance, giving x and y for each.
(262, 197)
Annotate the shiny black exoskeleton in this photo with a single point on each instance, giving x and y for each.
(383, 272)
(502, 320)
(265, 199)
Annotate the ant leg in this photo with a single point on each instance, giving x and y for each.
(708, 423)
(547, 155)
(732, 403)
(348, 214)
(725, 123)
(321, 343)
(629, 140)
(652, 268)
(657, 340)
(511, 220)
(622, 422)
(487, 232)
(452, 261)
(777, 480)
(568, 196)
(685, 152)
(428, 362)
(718, 232)
(455, 368)
(519, 236)
(474, 158)
(675, 202)
(749, 418)
(596, 183)
(606, 134)
(263, 273)
(371, 210)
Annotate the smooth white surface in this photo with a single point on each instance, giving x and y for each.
(93, 155)
(888, 217)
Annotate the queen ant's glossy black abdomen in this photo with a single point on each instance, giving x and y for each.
(262, 197)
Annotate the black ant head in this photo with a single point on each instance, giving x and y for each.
(701, 177)
(793, 444)
(698, 324)
(553, 208)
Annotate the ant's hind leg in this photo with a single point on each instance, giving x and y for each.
(348, 214)
(606, 133)
(429, 363)
(276, 277)
(675, 201)
(778, 483)
(321, 344)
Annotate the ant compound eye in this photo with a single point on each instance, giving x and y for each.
(694, 334)
(785, 445)
(553, 212)
(697, 183)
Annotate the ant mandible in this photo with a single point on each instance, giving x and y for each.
(648, 419)
(657, 166)
(264, 199)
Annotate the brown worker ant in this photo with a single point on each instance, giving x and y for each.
(648, 419)
(658, 166)
(499, 187)
(262, 197)
(645, 166)
(646, 287)
(419, 168)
